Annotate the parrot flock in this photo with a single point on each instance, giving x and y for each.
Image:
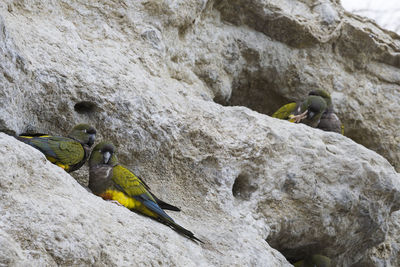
(114, 182)
(107, 178)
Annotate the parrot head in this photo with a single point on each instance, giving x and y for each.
(103, 153)
(324, 94)
(84, 134)
(315, 106)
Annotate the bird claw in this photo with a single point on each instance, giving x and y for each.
(298, 118)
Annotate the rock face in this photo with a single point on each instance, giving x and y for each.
(47, 218)
(388, 252)
(162, 80)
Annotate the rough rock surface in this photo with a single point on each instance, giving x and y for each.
(388, 252)
(149, 76)
(256, 53)
(47, 218)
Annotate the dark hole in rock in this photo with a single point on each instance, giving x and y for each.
(255, 92)
(85, 107)
(294, 255)
(243, 188)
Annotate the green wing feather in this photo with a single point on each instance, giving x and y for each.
(62, 149)
(285, 111)
(68, 151)
(129, 182)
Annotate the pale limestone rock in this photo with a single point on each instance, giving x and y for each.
(10, 253)
(147, 75)
(47, 218)
(274, 52)
(388, 252)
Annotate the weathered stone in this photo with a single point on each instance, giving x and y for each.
(47, 218)
(241, 65)
(350, 52)
(388, 252)
(147, 75)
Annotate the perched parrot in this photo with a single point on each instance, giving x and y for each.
(315, 111)
(315, 260)
(329, 120)
(308, 112)
(111, 181)
(69, 153)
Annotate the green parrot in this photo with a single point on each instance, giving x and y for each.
(308, 112)
(69, 153)
(111, 181)
(315, 111)
(315, 260)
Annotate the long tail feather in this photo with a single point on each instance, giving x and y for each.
(165, 205)
(183, 231)
(167, 220)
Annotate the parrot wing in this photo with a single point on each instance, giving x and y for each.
(68, 151)
(39, 142)
(285, 111)
(129, 182)
(58, 149)
(132, 186)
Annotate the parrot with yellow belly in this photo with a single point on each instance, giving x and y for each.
(112, 181)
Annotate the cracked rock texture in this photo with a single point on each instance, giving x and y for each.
(48, 219)
(388, 252)
(164, 81)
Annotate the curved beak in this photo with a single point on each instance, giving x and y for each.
(106, 157)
